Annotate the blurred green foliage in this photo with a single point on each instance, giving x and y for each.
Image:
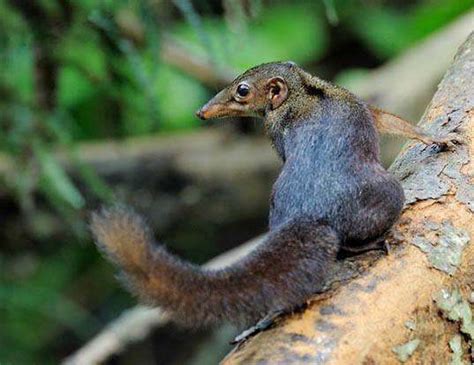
(85, 70)
(389, 30)
(268, 38)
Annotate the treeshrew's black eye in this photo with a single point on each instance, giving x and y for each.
(243, 90)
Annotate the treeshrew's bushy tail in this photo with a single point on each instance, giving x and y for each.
(279, 274)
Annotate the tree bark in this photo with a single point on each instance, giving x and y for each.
(391, 302)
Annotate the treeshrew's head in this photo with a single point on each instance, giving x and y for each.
(254, 93)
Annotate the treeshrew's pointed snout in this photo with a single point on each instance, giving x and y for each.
(214, 108)
(211, 110)
(200, 114)
(224, 105)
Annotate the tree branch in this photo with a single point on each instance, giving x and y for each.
(181, 172)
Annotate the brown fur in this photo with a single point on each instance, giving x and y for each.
(279, 274)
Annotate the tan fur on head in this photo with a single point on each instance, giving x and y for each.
(122, 236)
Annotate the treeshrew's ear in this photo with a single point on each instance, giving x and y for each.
(277, 91)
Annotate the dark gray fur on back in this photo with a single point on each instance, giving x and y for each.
(332, 173)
